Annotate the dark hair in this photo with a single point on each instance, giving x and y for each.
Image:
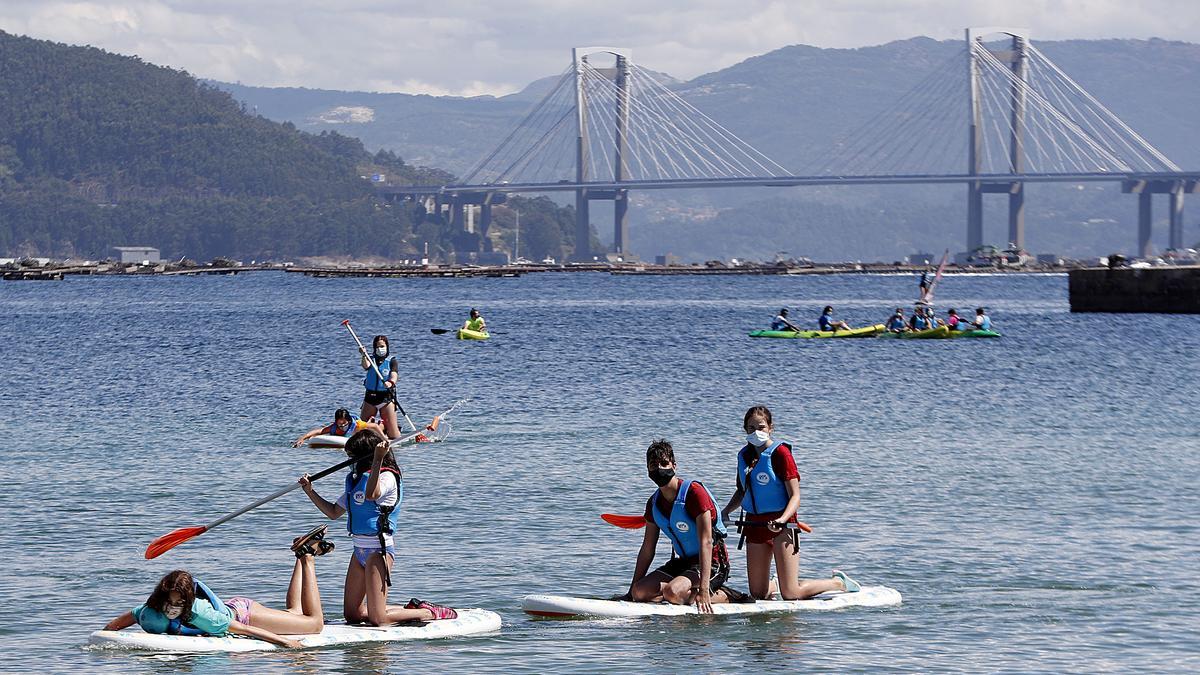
(899, 310)
(658, 452)
(979, 310)
(341, 414)
(362, 444)
(783, 311)
(952, 311)
(179, 581)
(828, 308)
(474, 312)
(757, 411)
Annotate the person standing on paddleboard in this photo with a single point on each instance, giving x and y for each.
(344, 424)
(699, 563)
(371, 499)
(182, 605)
(768, 492)
(380, 394)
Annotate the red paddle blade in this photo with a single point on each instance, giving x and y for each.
(346, 322)
(172, 539)
(626, 522)
(803, 527)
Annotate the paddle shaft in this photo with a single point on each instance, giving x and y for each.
(371, 360)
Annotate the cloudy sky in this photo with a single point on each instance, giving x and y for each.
(470, 47)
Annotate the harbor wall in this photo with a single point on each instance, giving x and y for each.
(1159, 290)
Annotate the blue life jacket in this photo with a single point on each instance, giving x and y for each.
(371, 381)
(362, 514)
(763, 491)
(681, 527)
(779, 324)
(825, 323)
(920, 323)
(349, 430)
(985, 322)
(177, 627)
(895, 323)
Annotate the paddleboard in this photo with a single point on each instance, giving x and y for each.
(469, 622)
(327, 441)
(561, 606)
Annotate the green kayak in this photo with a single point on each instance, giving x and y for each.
(865, 331)
(941, 332)
(974, 333)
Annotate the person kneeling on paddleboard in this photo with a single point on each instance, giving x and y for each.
(699, 563)
(371, 499)
(383, 372)
(182, 605)
(344, 424)
(768, 492)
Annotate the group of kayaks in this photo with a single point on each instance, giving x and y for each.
(878, 330)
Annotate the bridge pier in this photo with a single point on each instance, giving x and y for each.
(1175, 230)
(583, 229)
(1145, 190)
(1145, 223)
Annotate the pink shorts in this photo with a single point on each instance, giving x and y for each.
(240, 606)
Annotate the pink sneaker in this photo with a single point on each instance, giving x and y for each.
(438, 611)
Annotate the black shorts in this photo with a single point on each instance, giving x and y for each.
(690, 567)
(377, 398)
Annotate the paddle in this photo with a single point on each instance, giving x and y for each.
(439, 331)
(174, 538)
(638, 522)
(378, 374)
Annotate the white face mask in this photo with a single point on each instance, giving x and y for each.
(381, 351)
(758, 438)
(173, 612)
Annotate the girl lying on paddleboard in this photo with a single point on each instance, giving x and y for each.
(182, 605)
(768, 492)
(371, 500)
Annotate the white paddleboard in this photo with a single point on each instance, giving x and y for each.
(469, 622)
(564, 606)
(327, 441)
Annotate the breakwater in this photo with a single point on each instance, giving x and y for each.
(1161, 290)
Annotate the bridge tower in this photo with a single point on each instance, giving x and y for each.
(1017, 58)
(620, 197)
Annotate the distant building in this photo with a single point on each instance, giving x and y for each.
(666, 259)
(920, 259)
(136, 254)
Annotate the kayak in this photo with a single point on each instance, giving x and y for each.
(865, 331)
(562, 606)
(974, 333)
(469, 622)
(941, 332)
(327, 441)
(464, 334)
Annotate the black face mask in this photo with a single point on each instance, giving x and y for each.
(661, 476)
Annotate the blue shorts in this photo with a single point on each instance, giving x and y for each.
(364, 554)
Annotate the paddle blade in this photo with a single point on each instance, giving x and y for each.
(439, 331)
(803, 527)
(626, 522)
(172, 539)
(346, 322)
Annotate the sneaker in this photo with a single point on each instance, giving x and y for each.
(851, 585)
(438, 611)
(314, 535)
(737, 597)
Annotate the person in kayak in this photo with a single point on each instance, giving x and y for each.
(982, 320)
(827, 323)
(182, 605)
(952, 320)
(371, 498)
(919, 321)
(344, 424)
(768, 492)
(685, 511)
(896, 323)
(781, 322)
(380, 396)
(475, 323)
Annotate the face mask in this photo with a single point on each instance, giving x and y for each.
(758, 438)
(173, 612)
(381, 351)
(661, 476)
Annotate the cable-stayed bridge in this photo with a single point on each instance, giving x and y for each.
(996, 116)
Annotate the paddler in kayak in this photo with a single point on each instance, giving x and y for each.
(380, 396)
(371, 498)
(781, 322)
(920, 320)
(895, 323)
(475, 323)
(685, 511)
(827, 323)
(344, 424)
(182, 605)
(982, 320)
(768, 492)
(953, 322)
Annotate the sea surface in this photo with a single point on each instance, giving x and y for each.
(1034, 497)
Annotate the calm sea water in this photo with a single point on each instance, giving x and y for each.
(1034, 497)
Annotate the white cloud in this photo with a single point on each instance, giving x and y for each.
(467, 48)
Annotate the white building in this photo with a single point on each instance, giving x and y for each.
(136, 254)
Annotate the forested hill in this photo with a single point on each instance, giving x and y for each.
(99, 150)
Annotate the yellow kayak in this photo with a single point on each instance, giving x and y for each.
(464, 334)
(865, 331)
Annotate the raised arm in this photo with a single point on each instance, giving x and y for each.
(331, 510)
